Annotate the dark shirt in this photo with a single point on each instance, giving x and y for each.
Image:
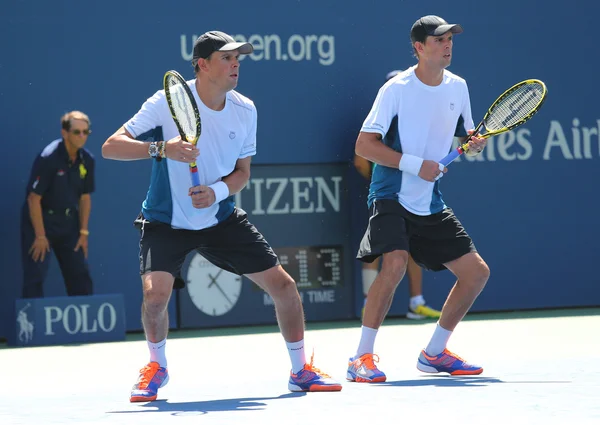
(59, 181)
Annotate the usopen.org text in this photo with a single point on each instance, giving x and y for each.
(320, 48)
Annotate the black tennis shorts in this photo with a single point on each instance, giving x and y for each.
(432, 240)
(234, 245)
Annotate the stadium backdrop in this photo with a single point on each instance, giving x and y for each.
(529, 201)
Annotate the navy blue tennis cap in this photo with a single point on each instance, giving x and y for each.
(217, 41)
(432, 25)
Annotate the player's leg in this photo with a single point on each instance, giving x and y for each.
(235, 245)
(290, 316)
(162, 252)
(472, 274)
(444, 244)
(382, 292)
(369, 273)
(156, 287)
(289, 312)
(417, 307)
(386, 235)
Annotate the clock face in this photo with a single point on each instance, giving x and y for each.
(213, 291)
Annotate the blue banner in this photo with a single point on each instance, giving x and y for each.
(528, 201)
(64, 320)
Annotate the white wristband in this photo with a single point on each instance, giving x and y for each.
(410, 163)
(221, 191)
(439, 176)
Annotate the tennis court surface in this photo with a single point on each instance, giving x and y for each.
(539, 368)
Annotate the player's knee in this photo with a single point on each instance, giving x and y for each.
(283, 286)
(155, 301)
(479, 275)
(276, 282)
(156, 291)
(394, 266)
(483, 272)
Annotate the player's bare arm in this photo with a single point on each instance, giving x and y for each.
(362, 166)
(371, 147)
(122, 146)
(239, 177)
(205, 196)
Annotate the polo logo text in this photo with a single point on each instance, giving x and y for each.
(78, 319)
(64, 320)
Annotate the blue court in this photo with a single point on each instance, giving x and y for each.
(539, 368)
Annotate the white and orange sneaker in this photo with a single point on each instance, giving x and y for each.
(363, 369)
(312, 379)
(152, 377)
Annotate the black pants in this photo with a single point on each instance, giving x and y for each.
(62, 231)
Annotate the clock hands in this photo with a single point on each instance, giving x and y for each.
(213, 281)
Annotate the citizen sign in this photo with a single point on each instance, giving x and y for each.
(63, 320)
(78, 318)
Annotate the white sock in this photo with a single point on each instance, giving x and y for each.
(157, 352)
(368, 277)
(297, 355)
(416, 301)
(439, 340)
(367, 342)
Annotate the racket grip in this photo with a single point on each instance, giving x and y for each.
(195, 178)
(451, 157)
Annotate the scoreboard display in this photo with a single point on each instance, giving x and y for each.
(302, 211)
(313, 267)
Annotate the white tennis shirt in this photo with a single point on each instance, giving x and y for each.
(226, 136)
(428, 118)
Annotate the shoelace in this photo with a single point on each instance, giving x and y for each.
(310, 367)
(146, 374)
(450, 353)
(368, 360)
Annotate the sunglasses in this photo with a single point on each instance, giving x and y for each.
(78, 132)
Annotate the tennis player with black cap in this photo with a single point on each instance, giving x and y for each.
(177, 219)
(217, 41)
(408, 214)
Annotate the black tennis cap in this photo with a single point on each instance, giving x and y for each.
(217, 41)
(432, 25)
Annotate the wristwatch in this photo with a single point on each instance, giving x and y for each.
(153, 149)
(159, 147)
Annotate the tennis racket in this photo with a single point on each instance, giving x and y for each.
(513, 108)
(184, 111)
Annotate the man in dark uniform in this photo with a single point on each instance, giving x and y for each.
(57, 210)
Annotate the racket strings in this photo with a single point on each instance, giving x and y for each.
(515, 106)
(183, 108)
